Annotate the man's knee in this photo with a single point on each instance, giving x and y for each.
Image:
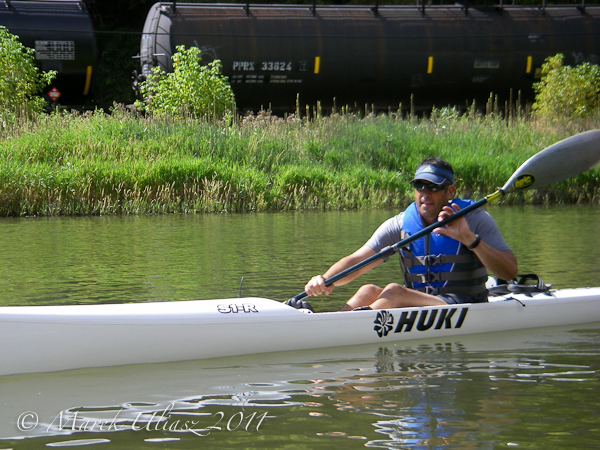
(370, 290)
(364, 296)
(395, 288)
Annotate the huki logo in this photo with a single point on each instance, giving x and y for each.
(424, 319)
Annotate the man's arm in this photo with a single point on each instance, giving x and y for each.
(502, 263)
(316, 285)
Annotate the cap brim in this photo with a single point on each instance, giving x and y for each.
(431, 177)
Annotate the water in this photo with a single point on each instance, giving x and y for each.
(521, 389)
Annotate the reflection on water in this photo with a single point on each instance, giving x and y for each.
(562, 243)
(503, 389)
(527, 389)
(135, 259)
(124, 259)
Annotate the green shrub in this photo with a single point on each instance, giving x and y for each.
(20, 81)
(191, 90)
(567, 92)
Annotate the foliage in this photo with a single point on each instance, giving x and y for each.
(20, 81)
(191, 90)
(567, 92)
(120, 163)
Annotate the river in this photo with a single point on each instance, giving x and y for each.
(522, 389)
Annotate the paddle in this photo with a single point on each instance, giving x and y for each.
(560, 161)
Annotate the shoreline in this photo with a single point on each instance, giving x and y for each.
(100, 164)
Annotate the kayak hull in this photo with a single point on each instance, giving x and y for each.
(52, 338)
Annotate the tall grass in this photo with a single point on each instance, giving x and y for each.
(80, 164)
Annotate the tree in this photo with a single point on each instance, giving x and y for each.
(192, 89)
(565, 91)
(20, 80)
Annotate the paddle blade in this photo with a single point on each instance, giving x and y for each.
(561, 161)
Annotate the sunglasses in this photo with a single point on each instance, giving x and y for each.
(431, 187)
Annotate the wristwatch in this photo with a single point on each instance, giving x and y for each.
(475, 242)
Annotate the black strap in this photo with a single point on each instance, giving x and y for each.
(458, 290)
(521, 287)
(410, 260)
(433, 277)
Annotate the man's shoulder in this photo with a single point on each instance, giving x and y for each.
(387, 232)
(395, 221)
(479, 214)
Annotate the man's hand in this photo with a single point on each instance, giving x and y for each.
(316, 286)
(457, 229)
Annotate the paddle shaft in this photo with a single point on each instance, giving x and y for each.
(390, 250)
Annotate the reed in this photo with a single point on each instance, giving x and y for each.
(96, 164)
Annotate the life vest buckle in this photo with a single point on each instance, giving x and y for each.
(429, 277)
(433, 260)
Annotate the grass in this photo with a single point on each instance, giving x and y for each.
(92, 164)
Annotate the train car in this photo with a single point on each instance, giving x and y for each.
(61, 33)
(381, 56)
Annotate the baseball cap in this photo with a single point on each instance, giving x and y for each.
(434, 174)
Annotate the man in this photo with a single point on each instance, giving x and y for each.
(447, 266)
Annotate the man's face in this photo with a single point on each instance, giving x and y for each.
(429, 203)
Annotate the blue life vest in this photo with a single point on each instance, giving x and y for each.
(437, 264)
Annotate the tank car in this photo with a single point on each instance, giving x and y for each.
(279, 56)
(61, 33)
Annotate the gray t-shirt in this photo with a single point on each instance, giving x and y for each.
(480, 222)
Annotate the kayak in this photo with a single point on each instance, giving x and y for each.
(53, 338)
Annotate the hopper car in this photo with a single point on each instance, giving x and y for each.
(284, 56)
(62, 35)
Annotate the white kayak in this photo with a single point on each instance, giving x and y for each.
(52, 338)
